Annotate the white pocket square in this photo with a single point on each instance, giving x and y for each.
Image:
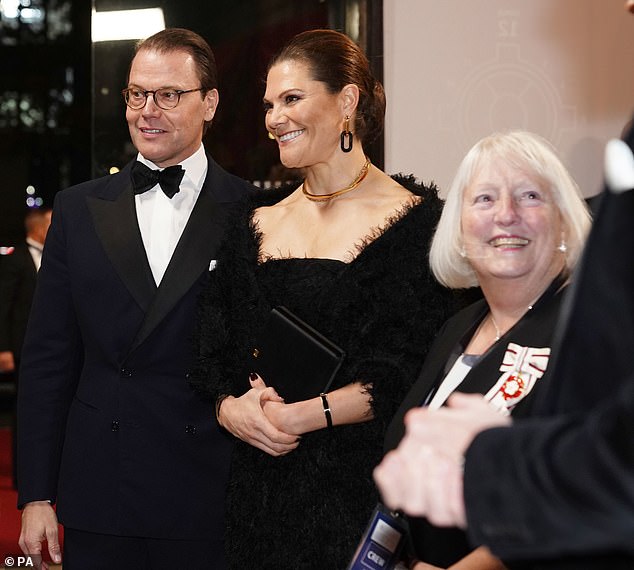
(212, 264)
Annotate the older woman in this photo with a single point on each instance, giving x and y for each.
(514, 223)
(345, 251)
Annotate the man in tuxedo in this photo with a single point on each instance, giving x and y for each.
(108, 428)
(18, 271)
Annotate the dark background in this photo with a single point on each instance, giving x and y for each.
(62, 117)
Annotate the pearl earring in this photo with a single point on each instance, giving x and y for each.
(562, 247)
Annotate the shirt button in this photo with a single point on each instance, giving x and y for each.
(190, 429)
(114, 426)
(126, 373)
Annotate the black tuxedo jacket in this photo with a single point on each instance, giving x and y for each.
(17, 286)
(108, 426)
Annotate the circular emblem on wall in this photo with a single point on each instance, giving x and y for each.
(510, 93)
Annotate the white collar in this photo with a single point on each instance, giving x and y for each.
(36, 244)
(195, 166)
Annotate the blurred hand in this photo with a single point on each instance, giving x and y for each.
(423, 475)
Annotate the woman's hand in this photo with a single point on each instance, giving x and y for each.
(281, 416)
(348, 405)
(244, 417)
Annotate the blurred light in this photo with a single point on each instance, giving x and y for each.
(353, 15)
(31, 15)
(126, 24)
(10, 8)
(113, 170)
(30, 190)
(38, 202)
(30, 202)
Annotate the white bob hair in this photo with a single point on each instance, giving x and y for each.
(534, 156)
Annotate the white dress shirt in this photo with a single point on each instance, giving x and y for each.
(162, 219)
(35, 249)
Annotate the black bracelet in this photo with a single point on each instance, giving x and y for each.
(326, 405)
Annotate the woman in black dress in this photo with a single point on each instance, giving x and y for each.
(346, 251)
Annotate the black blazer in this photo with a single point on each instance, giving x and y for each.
(443, 547)
(108, 426)
(17, 286)
(535, 330)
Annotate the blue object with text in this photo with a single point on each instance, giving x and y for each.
(382, 542)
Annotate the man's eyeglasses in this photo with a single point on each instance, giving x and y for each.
(165, 98)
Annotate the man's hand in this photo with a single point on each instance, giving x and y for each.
(39, 524)
(7, 363)
(244, 417)
(423, 475)
(451, 429)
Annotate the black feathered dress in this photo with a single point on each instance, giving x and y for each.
(308, 509)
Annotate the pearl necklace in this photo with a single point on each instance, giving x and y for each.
(326, 197)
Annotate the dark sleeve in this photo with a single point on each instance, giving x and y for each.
(402, 308)
(51, 361)
(225, 310)
(558, 486)
(10, 276)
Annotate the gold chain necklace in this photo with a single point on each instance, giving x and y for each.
(325, 197)
(498, 333)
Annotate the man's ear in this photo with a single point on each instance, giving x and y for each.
(211, 103)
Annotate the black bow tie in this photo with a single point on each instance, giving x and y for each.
(144, 178)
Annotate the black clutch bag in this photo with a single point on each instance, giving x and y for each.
(294, 358)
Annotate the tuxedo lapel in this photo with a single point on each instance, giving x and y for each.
(118, 230)
(201, 237)
(27, 260)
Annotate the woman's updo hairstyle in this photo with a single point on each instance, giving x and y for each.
(335, 60)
